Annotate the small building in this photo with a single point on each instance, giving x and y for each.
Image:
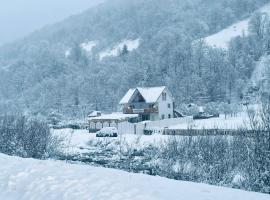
(94, 114)
(109, 120)
(152, 103)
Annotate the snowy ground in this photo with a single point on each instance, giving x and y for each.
(28, 179)
(231, 123)
(113, 52)
(222, 38)
(76, 141)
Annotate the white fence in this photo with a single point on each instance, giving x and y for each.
(129, 128)
(155, 126)
(138, 128)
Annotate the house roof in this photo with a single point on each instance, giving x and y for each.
(94, 113)
(150, 94)
(114, 117)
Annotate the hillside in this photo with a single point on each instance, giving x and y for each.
(222, 38)
(89, 61)
(33, 179)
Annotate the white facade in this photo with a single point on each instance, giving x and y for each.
(165, 105)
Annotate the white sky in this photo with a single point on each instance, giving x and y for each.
(21, 17)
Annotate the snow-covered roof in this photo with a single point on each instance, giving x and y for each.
(94, 113)
(114, 116)
(127, 96)
(150, 94)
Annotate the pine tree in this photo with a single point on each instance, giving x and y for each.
(124, 51)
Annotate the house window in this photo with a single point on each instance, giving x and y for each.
(169, 116)
(145, 117)
(169, 105)
(162, 116)
(164, 96)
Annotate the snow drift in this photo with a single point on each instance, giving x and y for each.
(33, 179)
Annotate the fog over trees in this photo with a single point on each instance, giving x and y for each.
(19, 18)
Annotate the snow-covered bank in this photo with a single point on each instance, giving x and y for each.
(33, 179)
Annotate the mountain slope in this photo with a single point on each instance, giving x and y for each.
(222, 38)
(51, 70)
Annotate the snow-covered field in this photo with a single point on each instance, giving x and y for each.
(27, 179)
(231, 123)
(76, 141)
(222, 38)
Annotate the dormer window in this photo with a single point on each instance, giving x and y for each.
(164, 96)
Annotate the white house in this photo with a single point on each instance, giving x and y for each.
(153, 103)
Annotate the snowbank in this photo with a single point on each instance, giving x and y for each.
(33, 179)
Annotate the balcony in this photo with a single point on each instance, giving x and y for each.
(139, 111)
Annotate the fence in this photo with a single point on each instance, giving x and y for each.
(167, 122)
(215, 132)
(138, 128)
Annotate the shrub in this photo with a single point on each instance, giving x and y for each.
(23, 137)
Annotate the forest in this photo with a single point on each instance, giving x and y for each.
(37, 78)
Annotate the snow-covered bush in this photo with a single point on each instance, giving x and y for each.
(212, 159)
(188, 109)
(23, 137)
(55, 147)
(54, 118)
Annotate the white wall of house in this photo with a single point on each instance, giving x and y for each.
(165, 110)
(154, 116)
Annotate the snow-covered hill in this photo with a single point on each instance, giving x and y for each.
(260, 72)
(113, 52)
(88, 46)
(259, 78)
(33, 179)
(222, 38)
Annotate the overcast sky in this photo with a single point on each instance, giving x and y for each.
(20, 17)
